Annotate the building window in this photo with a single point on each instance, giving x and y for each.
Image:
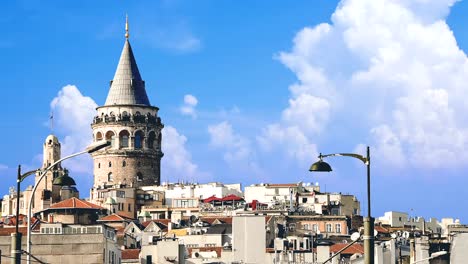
(129, 207)
(121, 194)
(123, 136)
(139, 176)
(305, 226)
(328, 228)
(110, 164)
(124, 163)
(110, 177)
(338, 228)
(110, 136)
(149, 259)
(151, 139)
(315, 228)
(138, 139)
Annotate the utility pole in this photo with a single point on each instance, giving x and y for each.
(16, 237)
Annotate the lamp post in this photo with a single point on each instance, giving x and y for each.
(90, 149)
(368, 237)
(16, 237)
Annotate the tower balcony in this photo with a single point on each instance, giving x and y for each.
(123, 120)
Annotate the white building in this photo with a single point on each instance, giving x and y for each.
(303, 197)
(401, 219)
(185, 198)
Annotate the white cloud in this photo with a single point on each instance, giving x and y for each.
(393, 67)
(72, 115)
(290, 139)
(177, 162)
(188, 108)
(3, 167)
(237, 148)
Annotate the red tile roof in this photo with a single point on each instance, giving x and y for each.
(114, 218)
(356, 248)
(162, 221)
(131, 254)
(210, 220)
(381, 230)
(6, 231)
(75, 203)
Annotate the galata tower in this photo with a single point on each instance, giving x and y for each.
(132, 124)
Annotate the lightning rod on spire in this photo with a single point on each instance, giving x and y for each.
(127, 35)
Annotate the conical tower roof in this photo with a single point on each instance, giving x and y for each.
(127, 87)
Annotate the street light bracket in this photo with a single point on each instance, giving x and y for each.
(357, 156)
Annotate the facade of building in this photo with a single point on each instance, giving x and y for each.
(46, 193)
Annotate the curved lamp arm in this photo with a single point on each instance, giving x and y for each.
(25, 175)
(357, 156)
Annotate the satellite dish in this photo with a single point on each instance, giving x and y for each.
(393, 235)
(318, 232)
(7, 221)
(355, 236)
(406, 234)
(375, 233)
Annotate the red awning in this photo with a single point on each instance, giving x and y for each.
(232, 197)
(212, 199)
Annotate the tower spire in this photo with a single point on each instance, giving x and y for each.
(127, 35)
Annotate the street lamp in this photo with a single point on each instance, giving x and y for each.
(16, 237)
(368, 237)
(90, 149)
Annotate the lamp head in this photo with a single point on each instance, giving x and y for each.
(320, 165)
(97, 146)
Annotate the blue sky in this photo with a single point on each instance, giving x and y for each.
(251, 92)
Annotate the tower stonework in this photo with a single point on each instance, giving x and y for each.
(46, 192)
(133, 126)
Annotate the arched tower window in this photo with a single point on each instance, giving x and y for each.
(124, 163)
(123, 138)
(110, 164)
(110, 136)
(159, 141)
(125, 116)
(110, 177)
(151, 139)
(138, 140)
(139, 176)
(98, 136)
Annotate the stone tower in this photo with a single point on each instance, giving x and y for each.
(129, 121)
(46, 192)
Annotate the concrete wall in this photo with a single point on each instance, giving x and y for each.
(163, 252)
(248, 236)
(76, 248)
